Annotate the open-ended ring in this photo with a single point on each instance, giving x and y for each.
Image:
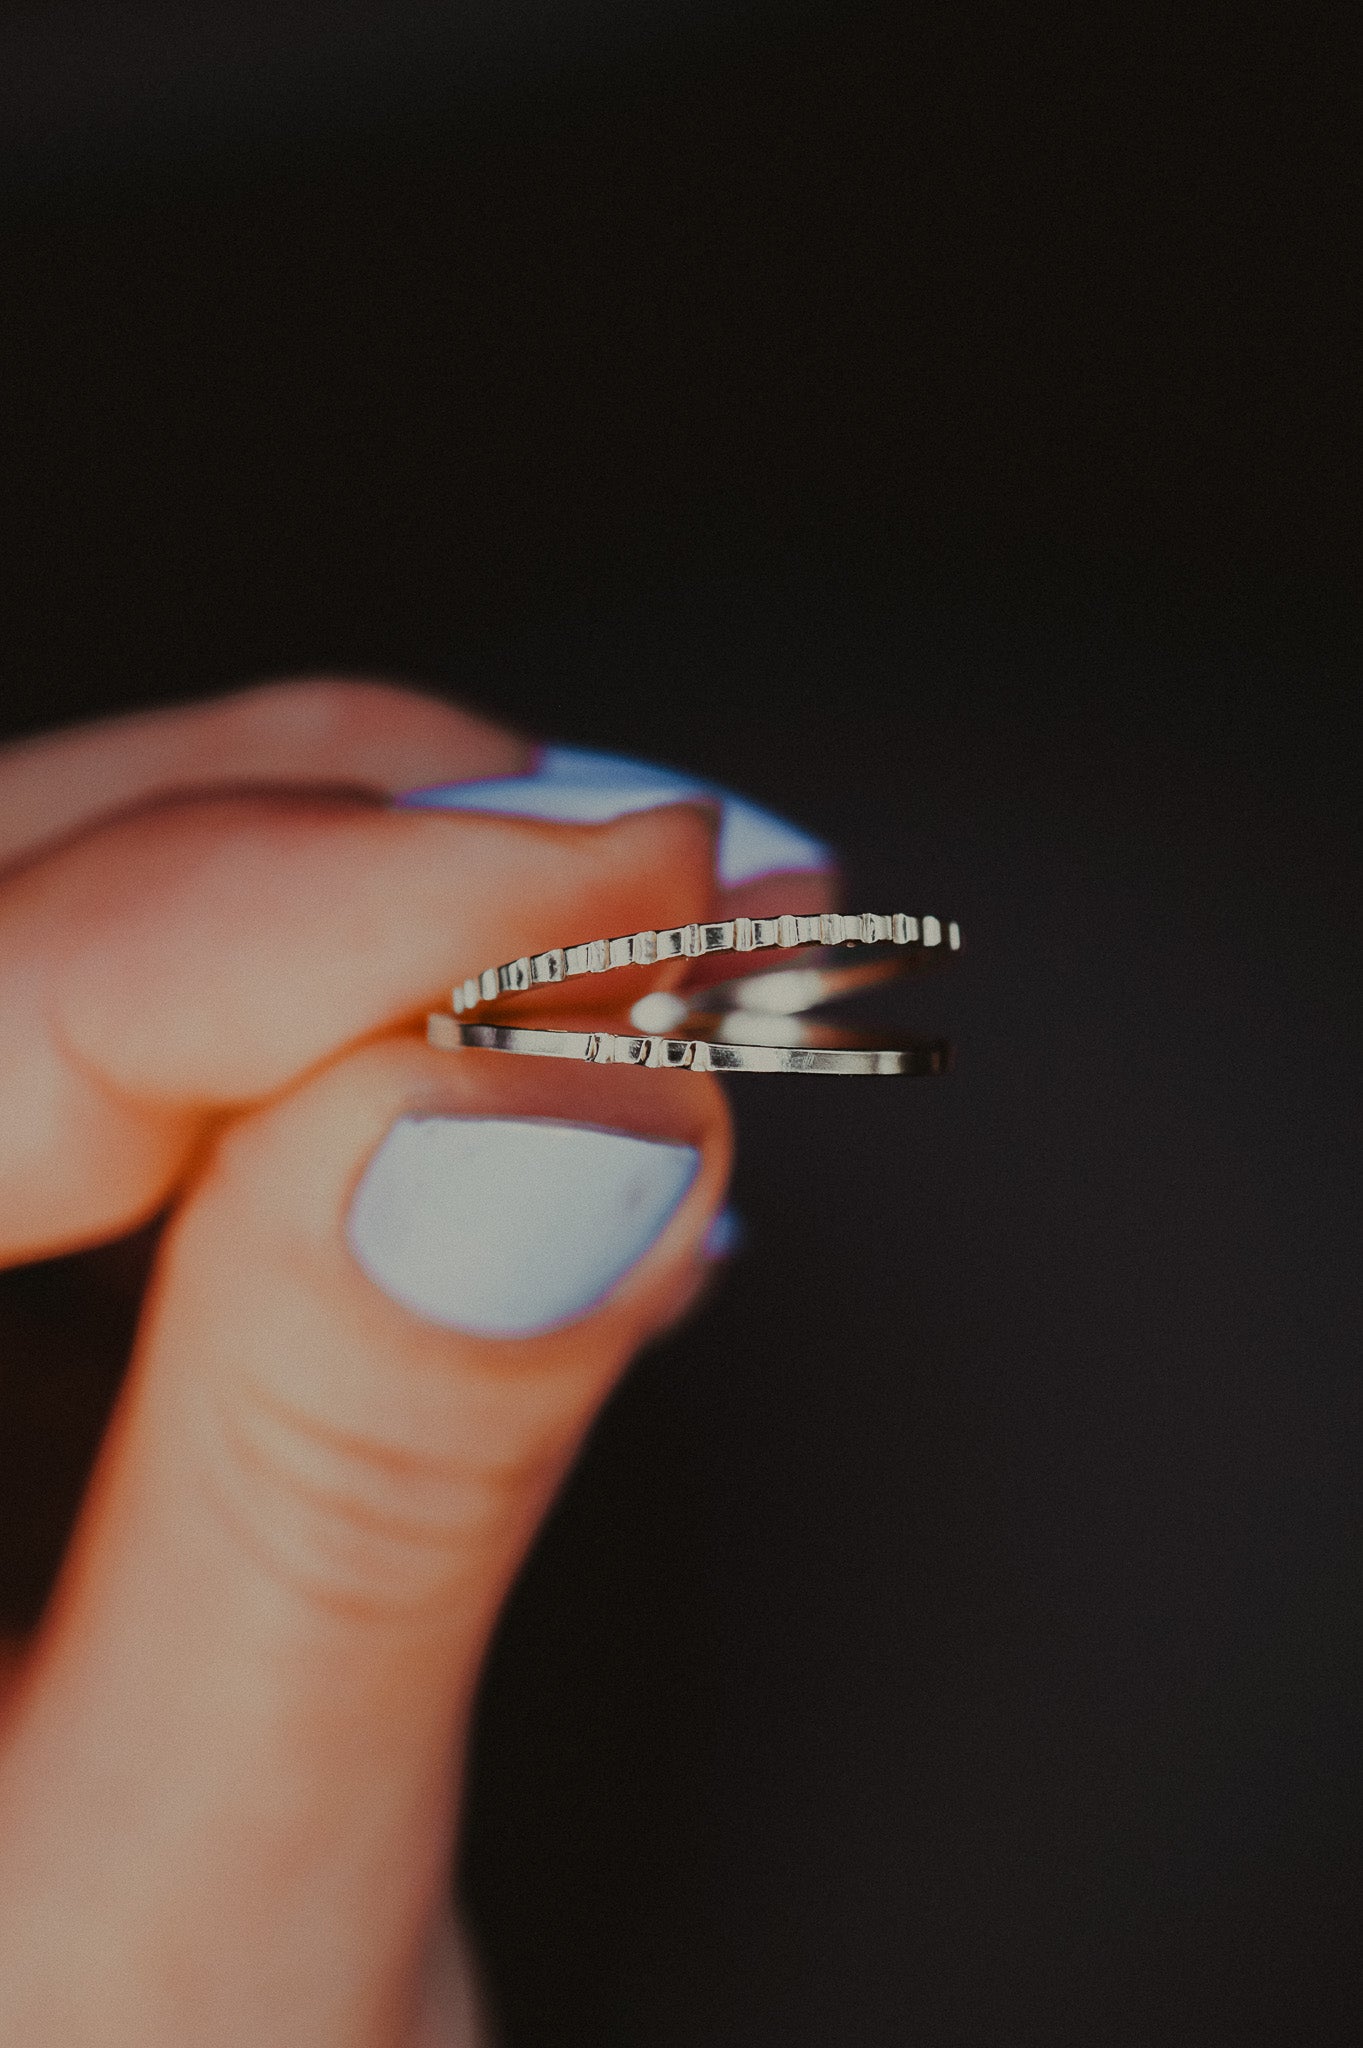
(750, 1025)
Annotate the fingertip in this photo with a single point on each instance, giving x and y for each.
(577, 784)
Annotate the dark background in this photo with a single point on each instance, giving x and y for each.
(937, 422)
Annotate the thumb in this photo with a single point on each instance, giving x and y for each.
(380, 1326)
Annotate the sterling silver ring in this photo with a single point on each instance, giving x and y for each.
(753, 1024)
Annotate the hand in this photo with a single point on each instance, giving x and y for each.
(230, 1759)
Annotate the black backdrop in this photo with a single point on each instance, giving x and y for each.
(933, 421)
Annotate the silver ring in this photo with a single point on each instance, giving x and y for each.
(693, 941)
(757, 1027)
(695, 1055)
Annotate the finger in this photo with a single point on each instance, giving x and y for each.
(765, 865)
(379, 1327)
(319, 729)
(182, 961)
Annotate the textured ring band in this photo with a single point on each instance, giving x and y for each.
(692, 941)
(697, 1055)
(728, 1043)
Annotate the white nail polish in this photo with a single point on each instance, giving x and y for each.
(507, 1227)
(580, 787)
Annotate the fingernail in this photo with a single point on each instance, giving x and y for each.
(727, 1235)
(508, 1227)
(580, 787)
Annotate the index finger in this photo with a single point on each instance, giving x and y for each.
(315, 729)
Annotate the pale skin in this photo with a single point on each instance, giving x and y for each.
(231, 1757)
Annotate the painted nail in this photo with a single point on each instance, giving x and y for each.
(508, 1227)
(576, 786)
(727, 1235)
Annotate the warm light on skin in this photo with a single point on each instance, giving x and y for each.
(230, 1769)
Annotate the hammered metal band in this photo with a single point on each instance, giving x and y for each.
(752, 1032)
(692, 941)
(699, 1055)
